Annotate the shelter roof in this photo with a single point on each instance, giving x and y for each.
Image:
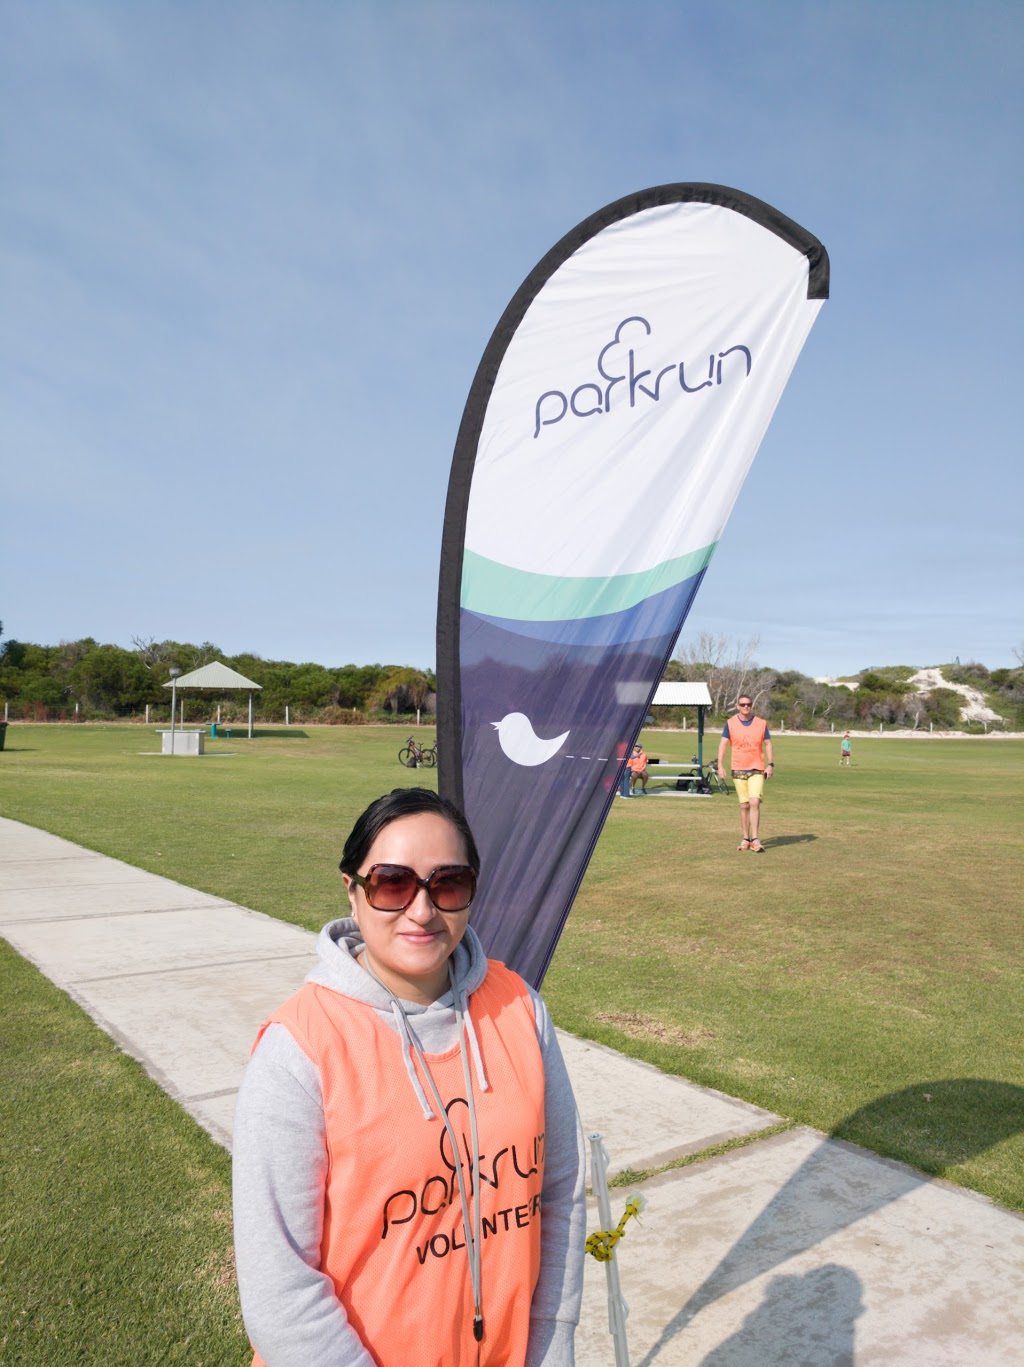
(214, 675)
(682, 695)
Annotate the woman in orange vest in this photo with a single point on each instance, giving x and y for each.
(408, 1160)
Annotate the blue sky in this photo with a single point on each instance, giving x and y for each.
(251, 254)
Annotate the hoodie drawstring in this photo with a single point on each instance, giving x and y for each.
(410, 1044)
(407, 1046)
(474, 1044)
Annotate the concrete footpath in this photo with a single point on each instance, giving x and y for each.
(794, 1251)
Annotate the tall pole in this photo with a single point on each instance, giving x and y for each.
(174, 698)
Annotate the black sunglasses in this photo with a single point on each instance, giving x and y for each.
(393, 887)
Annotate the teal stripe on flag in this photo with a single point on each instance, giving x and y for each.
(497, 590)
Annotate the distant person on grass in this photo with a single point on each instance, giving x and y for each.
(751, 765)
(637, 765)
(844, 750)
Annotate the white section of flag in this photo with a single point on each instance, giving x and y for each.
(621, 491)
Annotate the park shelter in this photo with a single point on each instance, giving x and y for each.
(218, 676)
(686, 695)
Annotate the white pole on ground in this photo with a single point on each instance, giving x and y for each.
(617, 1307)
(181, 713)
(286, 721)
(147, 714)
(417, 716)
(250, 714)
(5, 711)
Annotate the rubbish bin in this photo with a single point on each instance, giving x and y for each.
(213, 730)
(3, 733)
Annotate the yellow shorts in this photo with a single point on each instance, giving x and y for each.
(747, 788)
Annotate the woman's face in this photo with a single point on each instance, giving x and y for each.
(409, 950)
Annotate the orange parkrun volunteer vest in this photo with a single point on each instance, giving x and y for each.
(393, 1239)
(747, 742)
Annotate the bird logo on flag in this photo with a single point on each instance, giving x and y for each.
(521, 743)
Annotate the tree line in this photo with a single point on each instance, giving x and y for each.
(94, 681)
(882, 695)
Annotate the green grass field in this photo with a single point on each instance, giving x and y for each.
(115, 1207)
(863, 976)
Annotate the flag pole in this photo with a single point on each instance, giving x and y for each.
(617, 1307)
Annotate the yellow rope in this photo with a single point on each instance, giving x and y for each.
(601, 1244)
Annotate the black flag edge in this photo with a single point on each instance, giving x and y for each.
(453, 534)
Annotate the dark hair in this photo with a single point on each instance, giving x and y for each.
(392, 807)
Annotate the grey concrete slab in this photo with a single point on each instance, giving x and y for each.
(91, 870)
(108, 899)
(648, 1117)
(18, 841)
(150, 942)
(192, 1029)
(804, 1250)
(216, 1115)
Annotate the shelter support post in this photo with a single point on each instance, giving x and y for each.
(700, 734)
(250, 715)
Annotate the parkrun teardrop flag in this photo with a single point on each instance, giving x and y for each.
(610, 425)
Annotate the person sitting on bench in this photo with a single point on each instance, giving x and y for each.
(637, 765)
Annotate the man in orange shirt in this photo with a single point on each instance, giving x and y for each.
(637, 765)
(751, 765)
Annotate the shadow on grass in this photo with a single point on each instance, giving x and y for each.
(19, 750)
(951, 1120)
(770, 842)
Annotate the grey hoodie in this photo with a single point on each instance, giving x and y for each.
(291, 1312)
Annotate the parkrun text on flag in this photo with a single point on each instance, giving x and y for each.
(613, 418)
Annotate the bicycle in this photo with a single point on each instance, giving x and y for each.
(709, 780)
(712, 781)
(413, 756)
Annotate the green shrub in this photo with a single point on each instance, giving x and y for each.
(944, 707)
(971, 673)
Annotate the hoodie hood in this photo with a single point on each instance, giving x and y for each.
(338, 950)
(423, 1030)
